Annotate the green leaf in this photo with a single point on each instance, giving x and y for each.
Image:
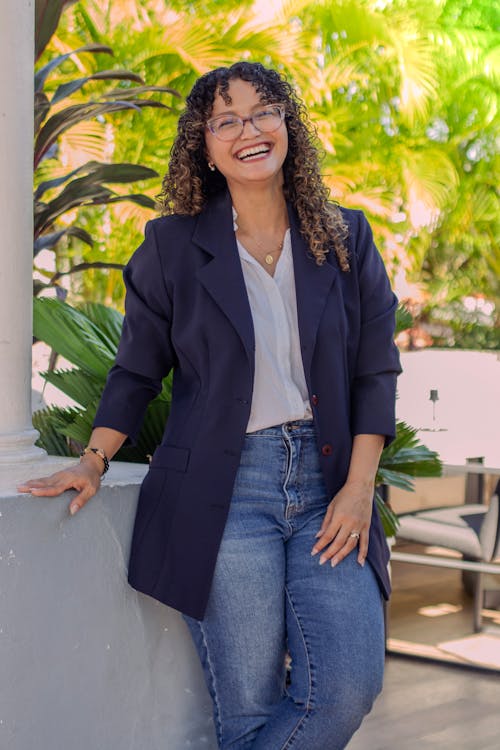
(395, 479)
(404, 319)
(79, 192)
(55, 182)
(115, 173)
(406, 458)
(50, 240)
(80, 428)
(390, 521)
(47, 241)
(70, 116)
(42, 108)
(142, 200)
(41, 75)
(107, 320)
(66, 89)
(122, 93)
(47, 15)
(50, 423)
(80, 234)
(72, 335)
(76, 384)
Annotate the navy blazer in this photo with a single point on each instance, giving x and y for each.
(187, 308)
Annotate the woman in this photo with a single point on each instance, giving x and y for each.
(256, 517)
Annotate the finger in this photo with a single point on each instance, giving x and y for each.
(326, 521)
(29, 483)
(346, 550)
(47, 490)
(363, 547)
(341, 539)
(327, 537)
(343, 545)
(81, 499)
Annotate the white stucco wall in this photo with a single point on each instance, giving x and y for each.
(87, 662)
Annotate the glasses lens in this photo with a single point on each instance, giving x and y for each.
(230, 127)
(226, 128)
(268, 119)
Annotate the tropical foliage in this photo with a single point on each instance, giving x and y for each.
(87, 337)
(403, 94)
(58, 124)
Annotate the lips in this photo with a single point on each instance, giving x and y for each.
(253, 152)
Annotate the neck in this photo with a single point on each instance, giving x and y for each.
(260, 209)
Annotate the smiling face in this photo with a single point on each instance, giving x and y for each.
(254, 157)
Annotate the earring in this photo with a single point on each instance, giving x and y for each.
(211, 166)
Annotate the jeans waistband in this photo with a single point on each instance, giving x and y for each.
(295, 427)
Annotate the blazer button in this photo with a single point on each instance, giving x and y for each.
(327, 449)
(314, 399)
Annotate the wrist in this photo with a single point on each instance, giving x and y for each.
(362, 483)
(98, 458)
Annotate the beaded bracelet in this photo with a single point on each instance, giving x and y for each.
(98, 452)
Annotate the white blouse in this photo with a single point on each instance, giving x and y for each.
(279, 391)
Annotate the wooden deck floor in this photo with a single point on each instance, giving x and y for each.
(431, 614)
(426, 706)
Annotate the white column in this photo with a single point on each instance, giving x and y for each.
(17, 435)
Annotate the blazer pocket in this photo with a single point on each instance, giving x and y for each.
(170, 457)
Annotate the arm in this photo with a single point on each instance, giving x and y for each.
(351, 508)
(373, 387)
(144, 357)
(84, 477)
(373, 395)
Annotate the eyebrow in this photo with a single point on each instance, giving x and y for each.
(233, 112)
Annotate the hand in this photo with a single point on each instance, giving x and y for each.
(85, 477)
(349, 511)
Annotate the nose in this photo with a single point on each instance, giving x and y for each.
(253, 128)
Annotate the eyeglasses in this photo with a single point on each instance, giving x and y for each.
(267, 119)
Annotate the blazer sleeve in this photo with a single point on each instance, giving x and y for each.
(145, 354)
(373, 394)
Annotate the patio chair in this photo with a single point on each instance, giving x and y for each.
(471, 529)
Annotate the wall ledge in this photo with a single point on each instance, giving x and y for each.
(91, 663)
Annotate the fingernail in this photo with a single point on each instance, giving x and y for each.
(314, 551)
(333, 563)
(322, 560)
(320, 533)
(362, 563)
(73, 509)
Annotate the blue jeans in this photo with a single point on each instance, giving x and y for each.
(270, 597)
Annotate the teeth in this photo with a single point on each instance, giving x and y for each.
(262, 149)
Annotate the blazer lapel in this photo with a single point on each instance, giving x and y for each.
(223, 279)
(222, 276)
(312, 286)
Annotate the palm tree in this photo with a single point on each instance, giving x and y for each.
(391, 88)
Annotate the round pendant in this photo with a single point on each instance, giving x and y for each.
(269, 259)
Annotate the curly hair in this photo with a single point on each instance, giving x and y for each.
(189, 183)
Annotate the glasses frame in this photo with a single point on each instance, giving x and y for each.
(243, 120)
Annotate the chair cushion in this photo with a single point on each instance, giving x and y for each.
(446, 527)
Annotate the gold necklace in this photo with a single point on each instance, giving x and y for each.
(269, 257)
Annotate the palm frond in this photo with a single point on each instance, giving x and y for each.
(72, 335)
(50, 423)
(79, 386)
